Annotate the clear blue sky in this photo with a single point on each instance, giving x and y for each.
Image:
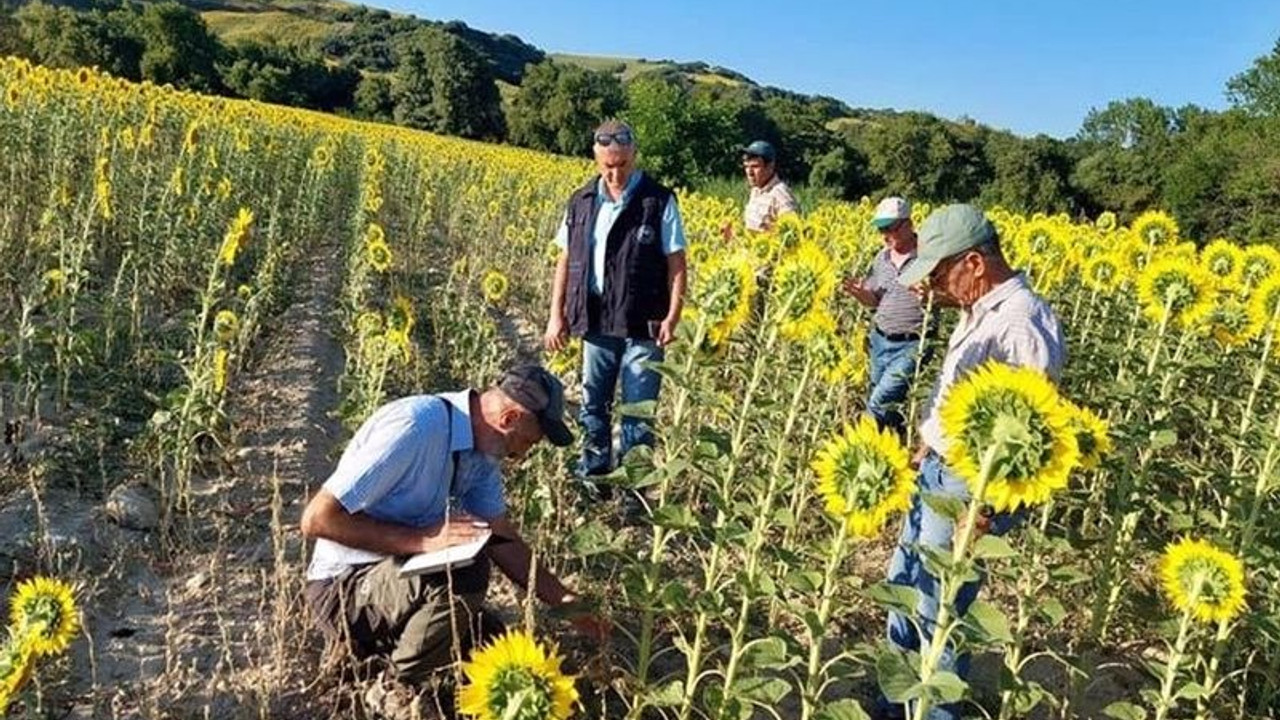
(1026, 65)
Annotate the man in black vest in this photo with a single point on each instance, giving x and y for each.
(619, 285)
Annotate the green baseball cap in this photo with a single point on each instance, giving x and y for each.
(948, 231)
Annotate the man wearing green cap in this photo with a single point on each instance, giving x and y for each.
(959, 262)
(423, 474)
(770, 196)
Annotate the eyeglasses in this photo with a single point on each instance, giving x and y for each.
(622, 137)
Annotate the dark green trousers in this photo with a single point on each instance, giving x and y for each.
(415, 625)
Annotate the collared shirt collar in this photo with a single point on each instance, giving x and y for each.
(602, 194)
(998, 294)
(460, 435)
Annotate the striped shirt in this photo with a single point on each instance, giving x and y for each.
(1010, 324)
(399, 468)
(899, 309)
(767, 203)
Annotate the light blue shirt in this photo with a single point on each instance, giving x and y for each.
(399, 467)
(673, 240)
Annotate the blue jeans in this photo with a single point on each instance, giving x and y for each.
(604, 359)
(923, 526)
(893, 366)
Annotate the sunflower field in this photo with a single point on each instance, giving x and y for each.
(151, 240)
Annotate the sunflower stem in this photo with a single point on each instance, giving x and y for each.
(813, 670)
(1167, 700)
(951, 580)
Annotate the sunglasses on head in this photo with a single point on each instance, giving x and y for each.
(622, 137)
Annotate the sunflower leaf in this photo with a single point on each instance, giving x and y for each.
(1125, 711)
(675, 517)
(764, 690)
(668, 695)
(992, 547)
(948, 506)
(989, 621)
(945, 687)
(896, 674)
(643, 410)
(898, 598)
(842, 710)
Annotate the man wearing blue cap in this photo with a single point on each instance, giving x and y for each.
(960, 263)
(770, 196)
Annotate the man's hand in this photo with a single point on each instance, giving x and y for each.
(458, 529)
(921, 453)
(584, 621)
(667, 331)
(981, 526)
(557, 334)
(854, 287)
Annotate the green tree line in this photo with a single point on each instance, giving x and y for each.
(1217, 171)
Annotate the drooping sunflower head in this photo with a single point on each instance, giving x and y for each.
(1016, 416)
(237, 235)
(221, 369)
(863, 477)
(1202, 579)
(1091, 435)
(1106, 222)
(45, 608)
(566, 360)
(1103, 272)
(226, 326)
(494, 286)
(802, 288)
(839, 362)
(1230, 323)
(379, 256)
(1224, 260)
(1173, 289)
(723, 294)
(1264, 305)
(401, 318)
(17, 658)
(516, 678)
(368, 323)
(1155, 228)
(1259, 263)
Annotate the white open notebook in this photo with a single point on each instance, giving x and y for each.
(455, 556)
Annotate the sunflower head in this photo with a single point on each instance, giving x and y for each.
(237, 235)
(1230, 323)
(46, 609)
(494, 286)
(1264, 305)
(1155, 228)
(226, 325)
(1103, 272)
(516, 678)
(839, 362)
(1224, 260)
(1171, 288)
(724, 293)
(1091, 435)
(1259, 263)
(863, 477)
(802, 289)
(1203, 580)
(1014, 414)
(1106, 222)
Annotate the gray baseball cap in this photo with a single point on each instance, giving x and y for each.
(535, 389)
(948, 231)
